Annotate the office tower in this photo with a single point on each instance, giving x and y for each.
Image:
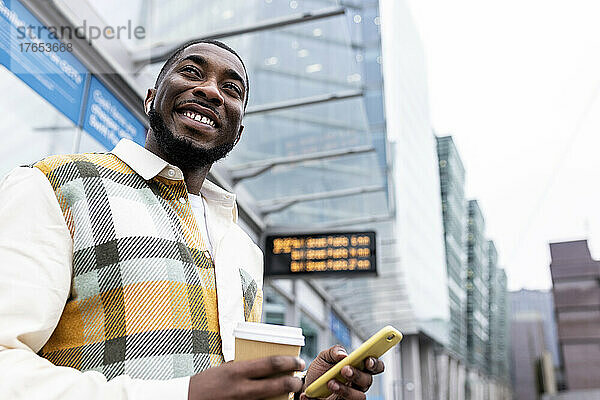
(452, 182)
(576, 289)
(540, 302)
(528, 343)
(533, 332)
(492, 266)
(477, 287)
(499, 321)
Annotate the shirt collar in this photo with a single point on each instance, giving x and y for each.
(144, 162)
(148, 165)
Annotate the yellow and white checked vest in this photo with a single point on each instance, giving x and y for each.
(143, 305)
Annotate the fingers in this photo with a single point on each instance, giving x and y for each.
(345, 392)
(359, 379)
(267, 388)
(374, 365)
(362, 380)
(268, 366)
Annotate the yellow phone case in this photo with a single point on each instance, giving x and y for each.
(375, 346)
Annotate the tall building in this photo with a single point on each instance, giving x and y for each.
(492, 266)
(499, 325)
(477, 288)
(528, 343)
(454, 211)
(540, 302)
(533, 332)
(576, 289)
(473, 273)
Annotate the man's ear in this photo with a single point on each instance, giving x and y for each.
(148, 100)
(239, 135)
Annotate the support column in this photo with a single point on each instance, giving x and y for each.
(292, 317)
(443, 376)
(460, 381)
(428, 377)
(392, 378)
(453, 384)
(411, 368)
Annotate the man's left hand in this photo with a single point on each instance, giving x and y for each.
(358, 381)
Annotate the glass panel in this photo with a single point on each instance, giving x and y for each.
(90, 145)
(289, 63)
(177, 20)
(310, 330)
(274, 307)
(32, 132)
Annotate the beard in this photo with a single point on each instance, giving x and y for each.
(182, 151)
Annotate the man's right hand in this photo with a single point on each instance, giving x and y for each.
(256, 379)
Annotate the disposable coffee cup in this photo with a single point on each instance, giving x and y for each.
(254, 340)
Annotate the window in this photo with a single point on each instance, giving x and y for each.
(311, 339)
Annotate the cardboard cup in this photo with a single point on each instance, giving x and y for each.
(254, 340)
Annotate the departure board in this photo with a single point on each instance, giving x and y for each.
(329, 253)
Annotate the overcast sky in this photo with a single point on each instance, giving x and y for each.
(517, 83)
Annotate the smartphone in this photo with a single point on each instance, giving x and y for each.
(375, 346)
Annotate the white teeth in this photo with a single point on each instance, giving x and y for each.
(199, 118)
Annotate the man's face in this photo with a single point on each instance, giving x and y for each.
(197, 109)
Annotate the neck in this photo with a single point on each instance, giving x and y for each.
(193, 177)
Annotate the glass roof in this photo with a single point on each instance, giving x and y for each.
(291, 63)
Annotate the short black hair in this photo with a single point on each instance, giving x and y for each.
(171, 60)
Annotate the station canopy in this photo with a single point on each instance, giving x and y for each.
(313, 151)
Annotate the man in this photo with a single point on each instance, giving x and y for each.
(126, 272)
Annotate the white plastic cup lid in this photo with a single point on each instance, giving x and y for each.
(269, 333)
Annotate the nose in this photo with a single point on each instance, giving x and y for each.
(209, 91)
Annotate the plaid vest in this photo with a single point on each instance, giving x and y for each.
(144, 305)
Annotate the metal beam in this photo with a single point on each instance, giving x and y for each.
(161, 53)
(347, 222)
(359, 301)
(389, 314)
(276, 205)
(53, 128)
(252, 169)
(342, 314)
(305, 101)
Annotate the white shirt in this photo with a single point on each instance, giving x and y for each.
(199, 208)
(35, 281)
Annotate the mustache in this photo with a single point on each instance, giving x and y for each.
(200, 103)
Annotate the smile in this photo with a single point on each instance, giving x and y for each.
(199, 118)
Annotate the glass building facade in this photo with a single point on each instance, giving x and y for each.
(492, 267)
(499, 327)
(452, 181)
(498, 351)
(477, 288)
(26, 139)
(290, 68)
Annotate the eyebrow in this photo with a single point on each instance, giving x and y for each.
(229, 73)
(195, 58)
(232, 74)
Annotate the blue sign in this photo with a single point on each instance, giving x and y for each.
(30, 51)
(109, 121)
(340, 331)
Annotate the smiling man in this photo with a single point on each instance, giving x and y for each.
(123, 274)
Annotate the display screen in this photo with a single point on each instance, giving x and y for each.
(320, 254)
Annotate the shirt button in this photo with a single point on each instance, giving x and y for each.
(171, 172)
(182, 200)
